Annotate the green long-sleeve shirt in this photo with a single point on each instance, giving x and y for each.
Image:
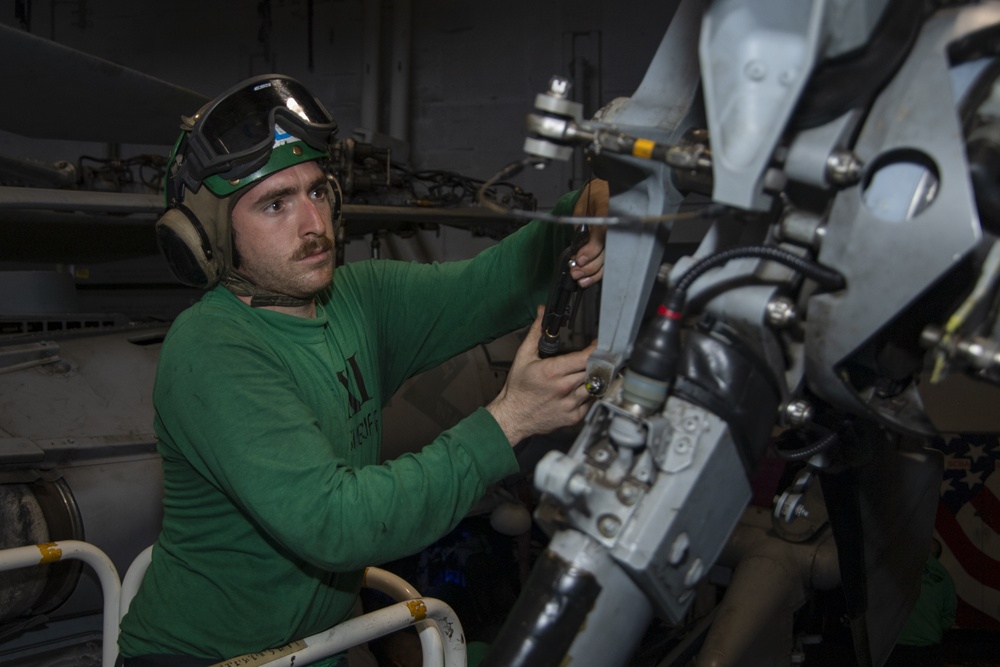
(269, 427)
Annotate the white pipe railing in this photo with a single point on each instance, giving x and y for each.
(52, 552)
(399, 590)
(133, 579)
(442, 639)
(370, 626)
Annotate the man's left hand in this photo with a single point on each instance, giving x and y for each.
(589, 260)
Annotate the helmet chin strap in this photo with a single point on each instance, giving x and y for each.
(260, 297)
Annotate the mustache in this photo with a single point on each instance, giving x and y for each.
(313, 246)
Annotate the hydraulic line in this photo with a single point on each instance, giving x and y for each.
(824, 276)
(658, 349)
(806, 452)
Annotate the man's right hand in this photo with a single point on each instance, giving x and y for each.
(541, 395)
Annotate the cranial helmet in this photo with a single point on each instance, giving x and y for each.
(254, 129)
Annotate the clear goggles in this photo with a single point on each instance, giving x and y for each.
(233, 136)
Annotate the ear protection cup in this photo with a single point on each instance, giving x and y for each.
(194, 238)
(187, 249)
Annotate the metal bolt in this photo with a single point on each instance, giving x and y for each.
(601, 455)
(628, 493)
(781, 312)
(679, 549)
(594, 385)
(558, 86)
(578, 485)
(843, 168)
(609, 525)
(694, 573)
(798, 412)
(800, 511)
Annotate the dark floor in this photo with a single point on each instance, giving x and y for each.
(962, 648)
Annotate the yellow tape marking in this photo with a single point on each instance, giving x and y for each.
(50, 552)
(418, 609)
(643, 148)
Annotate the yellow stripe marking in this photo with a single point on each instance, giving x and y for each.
(643, 148)
(418, 609)
(50, 552)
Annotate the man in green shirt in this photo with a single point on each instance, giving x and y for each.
(269, 391)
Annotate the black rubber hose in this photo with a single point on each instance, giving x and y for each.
(808, 451)
(824, 276)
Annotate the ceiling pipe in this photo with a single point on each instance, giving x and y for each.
(399, 111)
(371, 46)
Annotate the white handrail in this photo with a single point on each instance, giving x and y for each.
(52, 552)
(399, 589)
(441, 636)
(133, 579)
(367, 627)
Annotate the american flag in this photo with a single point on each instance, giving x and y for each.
(968, 526)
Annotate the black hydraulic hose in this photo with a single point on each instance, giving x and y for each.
(658, 349)
(808, 451)
(824, 276)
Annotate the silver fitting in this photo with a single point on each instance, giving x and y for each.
(781, 312)
(559, 86)
(694, 573)
(562, 477)
(843, 168)
(679, 549)
(594, 385)
(798, 412)
(609, 525)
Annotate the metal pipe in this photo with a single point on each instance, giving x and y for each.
(370, 66)
(52, 552)
(377, 624)
(399, 102)
(400, 590)
(133, 579)
(376, 579)
(78, 200)
(772, 579)
(37, 172)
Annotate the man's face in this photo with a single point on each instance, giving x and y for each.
(284, 234)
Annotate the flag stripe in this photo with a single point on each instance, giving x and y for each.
(968, 523)
(967, 616)
(988, 507)
(977, 601)
(972, 560)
